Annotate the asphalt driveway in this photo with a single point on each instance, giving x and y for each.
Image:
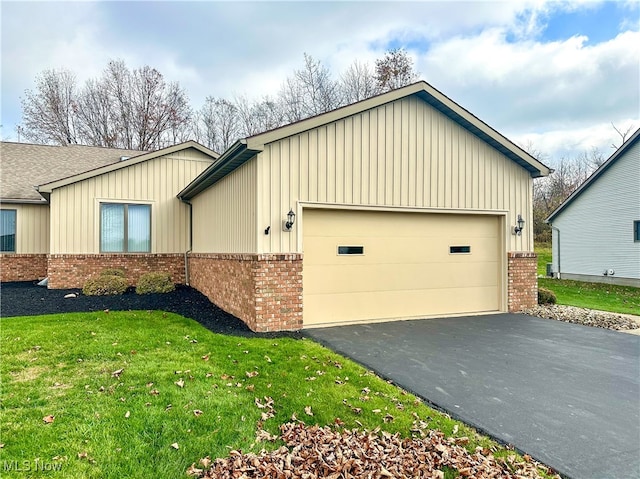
(567, 394)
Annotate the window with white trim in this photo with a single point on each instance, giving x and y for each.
(7, 231)
(125, 228)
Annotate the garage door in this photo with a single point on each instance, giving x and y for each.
(364, 266)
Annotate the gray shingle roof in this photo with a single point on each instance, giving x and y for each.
(24, 166)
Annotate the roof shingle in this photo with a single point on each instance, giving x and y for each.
(24, 166)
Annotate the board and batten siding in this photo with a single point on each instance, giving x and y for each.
(401, 154)
(75, 208)
(224, 216)
(32, 227)
(596, 229)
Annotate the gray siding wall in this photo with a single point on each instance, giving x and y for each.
(596, 230)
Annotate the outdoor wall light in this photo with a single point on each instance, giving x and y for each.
(291, 218)
(517, 230)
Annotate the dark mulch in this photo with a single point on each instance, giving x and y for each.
(28, 299)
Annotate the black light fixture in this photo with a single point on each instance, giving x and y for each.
(517, 230)
(291, 218)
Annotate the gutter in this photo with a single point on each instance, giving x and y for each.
(186, 253)
(17, 201)
(196, 186)
(558, 230)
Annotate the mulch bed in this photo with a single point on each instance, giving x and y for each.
(28, 299)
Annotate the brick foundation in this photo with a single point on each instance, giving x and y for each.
(73, 270)
(22, 267)
(522, 291)
(263, 290)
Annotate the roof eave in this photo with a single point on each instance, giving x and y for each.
(49, 187)
(594, 176)
(25, 201)
(235, 156)
(433, 97)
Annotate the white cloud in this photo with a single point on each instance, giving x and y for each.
(571, 142)
(487, 56)
(538, 86)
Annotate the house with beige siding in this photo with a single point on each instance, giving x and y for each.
(67, 212)
(596, 230)
(401, 206)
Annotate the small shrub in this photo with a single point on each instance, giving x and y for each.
(113, 272)
(155, 283)
(546, 296)
(105, 286)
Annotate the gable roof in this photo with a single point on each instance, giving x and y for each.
(24, 165)
(47, 188)
(595, 175)
(246, 148)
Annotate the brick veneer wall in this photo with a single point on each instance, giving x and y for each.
(22, 267)
(522, 267)
(263, 290)
(73, 270)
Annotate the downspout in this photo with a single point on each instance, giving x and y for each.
(186, 253)
(558, 230)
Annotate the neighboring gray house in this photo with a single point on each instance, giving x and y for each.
(596, 230)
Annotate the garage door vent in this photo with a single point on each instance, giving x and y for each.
(346, 250)
(459, 249)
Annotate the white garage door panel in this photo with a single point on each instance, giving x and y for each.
(406, 270)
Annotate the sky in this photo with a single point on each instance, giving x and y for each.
(552, 76)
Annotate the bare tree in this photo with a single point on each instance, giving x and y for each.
(49, 112)
(623, 135)
(310, 91)
(97, 122)
(394, 70)
(258, 116)
(123, 108)
(550, 192)
(218, 124)
(358, 82)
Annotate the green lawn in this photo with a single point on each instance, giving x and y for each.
(605, 297)
(122, 387)
(544, 256)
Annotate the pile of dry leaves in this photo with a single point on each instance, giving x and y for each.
(325, 452)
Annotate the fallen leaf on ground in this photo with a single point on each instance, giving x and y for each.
(193, 470)
(263, 435)
(308, 411)
(180, 383)
(49, 419)
(117, 373)
(197, 412)
(312, 452)
(127, 414)
(175, 445)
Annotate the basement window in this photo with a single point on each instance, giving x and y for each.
(7, 231)
(459, 249)
(636, 231)
(350, 250)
